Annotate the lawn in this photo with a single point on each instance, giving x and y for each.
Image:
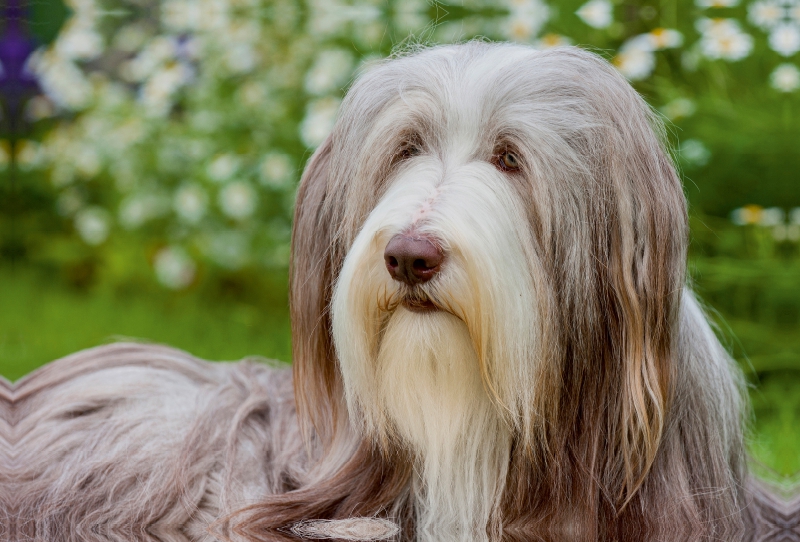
(44, 320)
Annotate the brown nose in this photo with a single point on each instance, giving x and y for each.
(412, 259)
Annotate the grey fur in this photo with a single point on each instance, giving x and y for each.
(635, 431)
(143, 442)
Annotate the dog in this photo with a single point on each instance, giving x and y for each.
(493, 340)
(493, 335)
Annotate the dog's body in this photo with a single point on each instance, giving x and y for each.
(137, 442)
(492, 340)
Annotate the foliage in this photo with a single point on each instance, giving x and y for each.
(180, 126)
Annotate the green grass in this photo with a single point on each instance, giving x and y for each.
(42, 320)
(775, 442)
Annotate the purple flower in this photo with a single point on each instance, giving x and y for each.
(16, 46)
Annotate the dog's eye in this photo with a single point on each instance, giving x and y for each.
(407, 151)
(410, 150)
(508, 161)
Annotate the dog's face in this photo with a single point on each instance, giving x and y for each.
(504, 249)
(438, 302)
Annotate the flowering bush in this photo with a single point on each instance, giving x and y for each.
(180, 127)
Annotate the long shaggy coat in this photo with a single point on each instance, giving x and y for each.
(566, 385)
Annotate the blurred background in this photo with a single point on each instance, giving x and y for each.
(150, 151)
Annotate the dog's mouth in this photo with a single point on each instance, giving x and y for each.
(415, 300)
(420, 305)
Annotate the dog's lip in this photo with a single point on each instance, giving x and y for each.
(420, 305)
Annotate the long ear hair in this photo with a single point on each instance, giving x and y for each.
(647, 259)
(640, 237)
(616, 323)
(643, 439)
(316, 379)
(349, 477)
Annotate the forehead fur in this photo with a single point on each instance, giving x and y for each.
(482, 87)
(568, 114)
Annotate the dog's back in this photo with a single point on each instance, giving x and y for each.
(137, 442)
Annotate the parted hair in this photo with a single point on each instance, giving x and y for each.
(625, 417)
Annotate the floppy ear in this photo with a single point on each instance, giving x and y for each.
(317, 382)
(646, 273)
(361, 483)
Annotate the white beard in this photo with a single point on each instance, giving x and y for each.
(450, 386)
(434, 398)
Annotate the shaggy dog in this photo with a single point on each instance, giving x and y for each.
(493, 340)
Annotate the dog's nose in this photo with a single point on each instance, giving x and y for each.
(412, 259)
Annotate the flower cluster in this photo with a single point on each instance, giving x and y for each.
(784, 226)
(781, 19)
(184, 124)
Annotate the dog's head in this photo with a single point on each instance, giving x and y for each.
(490, 248)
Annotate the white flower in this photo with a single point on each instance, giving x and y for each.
(665, 38)
(157, 92)
(694, 152)
(723, 39)
(525, 19)
(79, 42)
(785, 39)
(596, 13)
(241, 58)
(716, 3)
(330, 71)
(765, 14)
(222, 167)
(635, 64)
(92, 225)
(190, 202)
(635, 58)
(786, 233)
(771, 216)
(749, 214)
(785, 78)
(137, 209)
(174, 268)
(61, 80)
(276, 170)
(319, 120)
(182, 15)
(238, 200)
(158, 51)
(794, 216)
(552, 40)
(679, 108)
